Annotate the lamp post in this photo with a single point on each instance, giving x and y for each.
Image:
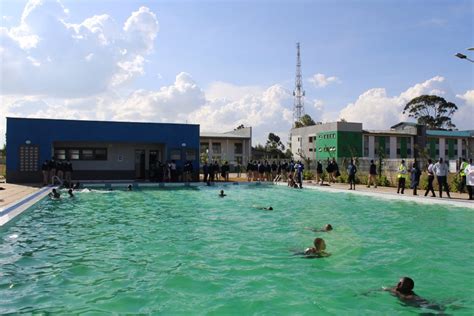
(462, 56)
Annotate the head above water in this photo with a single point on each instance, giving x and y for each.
(270, 208)
(405, 285)
(328, 227)
(319, 244)
(222, 192)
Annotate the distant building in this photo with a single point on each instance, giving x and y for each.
(97, 149)
(328, 140)
(234, 146)
(404, 140)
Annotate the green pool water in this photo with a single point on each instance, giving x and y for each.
(186, 251)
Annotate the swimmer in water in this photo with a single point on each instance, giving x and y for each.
(222, 194)
(129, 188)
(326, 228)
(318, 251)
(70, 193)
(265, 208)
(54, 194)
(404, 291)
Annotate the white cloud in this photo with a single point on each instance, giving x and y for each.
(46, 55)
(321, 80)
(464, 117)
(377, 110)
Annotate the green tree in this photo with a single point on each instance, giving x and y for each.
(431, 110)
(305, 120)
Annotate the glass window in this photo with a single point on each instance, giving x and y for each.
(100, 154)
(190, 154)
(73, 154)
(238, 148)
(60, 154)
(87, 154)
(175, 154)
(216, 148)
(310, 139)
(203, 148)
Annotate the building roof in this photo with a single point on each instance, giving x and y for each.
(401, 124)
(442, 133)
(390, 132)
(241, 133)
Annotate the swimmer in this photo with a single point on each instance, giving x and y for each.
(77, 186)
(54, 194)
(404, 291)
(318, 251)
(70, 193)
(222, 194)
(326, 228)
(265, 208)
(129, 188)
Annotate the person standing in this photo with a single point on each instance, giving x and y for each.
(402, 175)
(462, 167)
(52, 169)
(238, 169)
(469, 172)
(205, 171)
(440, 169)
(299, 167)
(351, 171)
(319, 172)
(415, 177)
(430, 172)
(372, 175)
(330, 170)
(335, 170)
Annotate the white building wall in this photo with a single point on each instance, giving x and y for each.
(459, 147)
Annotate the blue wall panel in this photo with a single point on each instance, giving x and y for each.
(44, 132)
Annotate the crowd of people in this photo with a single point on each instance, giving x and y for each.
(56, 169)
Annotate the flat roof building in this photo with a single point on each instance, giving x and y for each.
(97, 149)
(233, 146)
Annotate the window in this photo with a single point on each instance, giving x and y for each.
(60, 154)
(238, 148)
(190, 154)
(204, 148)
(216, 148)
(29, 158)
(175, 154)
(310, 149)
(366, 146)
(80, 153)
(310, 139)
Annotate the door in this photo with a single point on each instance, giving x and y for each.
(153, 159)
(139, 163)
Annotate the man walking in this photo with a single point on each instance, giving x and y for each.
(430, 179)
(469, 172)
(372, 175)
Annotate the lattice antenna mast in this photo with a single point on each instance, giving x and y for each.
(298, 93)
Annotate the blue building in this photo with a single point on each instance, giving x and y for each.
(98, 150)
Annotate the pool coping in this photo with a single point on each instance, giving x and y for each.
(392, 196)
(12, 210)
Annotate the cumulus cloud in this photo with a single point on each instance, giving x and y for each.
(377, 110)
(321, 80)
(46, 55)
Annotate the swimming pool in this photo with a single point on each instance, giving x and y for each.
(187, 251)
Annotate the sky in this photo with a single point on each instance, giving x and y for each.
(225, 63)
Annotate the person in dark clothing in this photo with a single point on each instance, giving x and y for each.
(319, 172)
(415, 177)
(430, 172)
(330, 170)
(205, 171)
(372, 175)
(351, 172)
(52, 170)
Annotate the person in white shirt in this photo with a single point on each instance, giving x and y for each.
(469, 172)
(430, 179)
(440, 170)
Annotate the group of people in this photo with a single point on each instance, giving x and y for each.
(438, 170)
(170, 172)
(214, 172)
(55, 168)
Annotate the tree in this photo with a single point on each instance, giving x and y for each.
(431, 110)
(274, 142)
(305, 120)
